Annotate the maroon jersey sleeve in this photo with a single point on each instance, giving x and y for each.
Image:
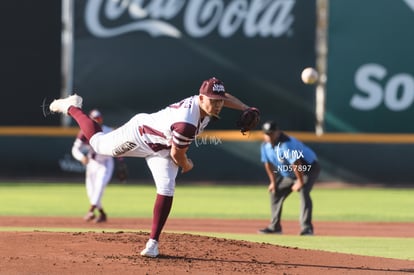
(183, 134)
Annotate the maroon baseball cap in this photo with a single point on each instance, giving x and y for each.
(213, 88)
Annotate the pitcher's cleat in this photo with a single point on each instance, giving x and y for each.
(151, 249)
(62, 105)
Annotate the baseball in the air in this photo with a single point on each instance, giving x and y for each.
(309, 76)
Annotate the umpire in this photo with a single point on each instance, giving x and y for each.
(290, 166)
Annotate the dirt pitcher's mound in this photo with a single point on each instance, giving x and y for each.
(41, 252)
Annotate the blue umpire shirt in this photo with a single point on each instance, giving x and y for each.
(286, 151)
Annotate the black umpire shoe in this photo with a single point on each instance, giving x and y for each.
(307, 232)
(270, 231)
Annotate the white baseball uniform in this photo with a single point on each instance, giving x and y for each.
(99, 168)
(150, 136)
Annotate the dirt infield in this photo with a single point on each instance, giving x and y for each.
(43, 252)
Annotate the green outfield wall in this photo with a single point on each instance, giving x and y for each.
(124, 64)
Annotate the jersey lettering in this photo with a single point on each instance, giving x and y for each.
(123, 148)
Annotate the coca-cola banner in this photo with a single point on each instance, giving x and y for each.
(138, 56)
(370, 84)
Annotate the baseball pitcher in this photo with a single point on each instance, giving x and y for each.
(162, 138)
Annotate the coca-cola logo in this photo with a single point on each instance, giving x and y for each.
(254, 18)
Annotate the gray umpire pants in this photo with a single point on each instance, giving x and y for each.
(283, 190)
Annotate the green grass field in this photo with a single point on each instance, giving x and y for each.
(232, 202)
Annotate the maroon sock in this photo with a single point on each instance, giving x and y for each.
(88, 126)
(162, 209)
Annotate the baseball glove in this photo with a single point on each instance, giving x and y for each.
(248, 119)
